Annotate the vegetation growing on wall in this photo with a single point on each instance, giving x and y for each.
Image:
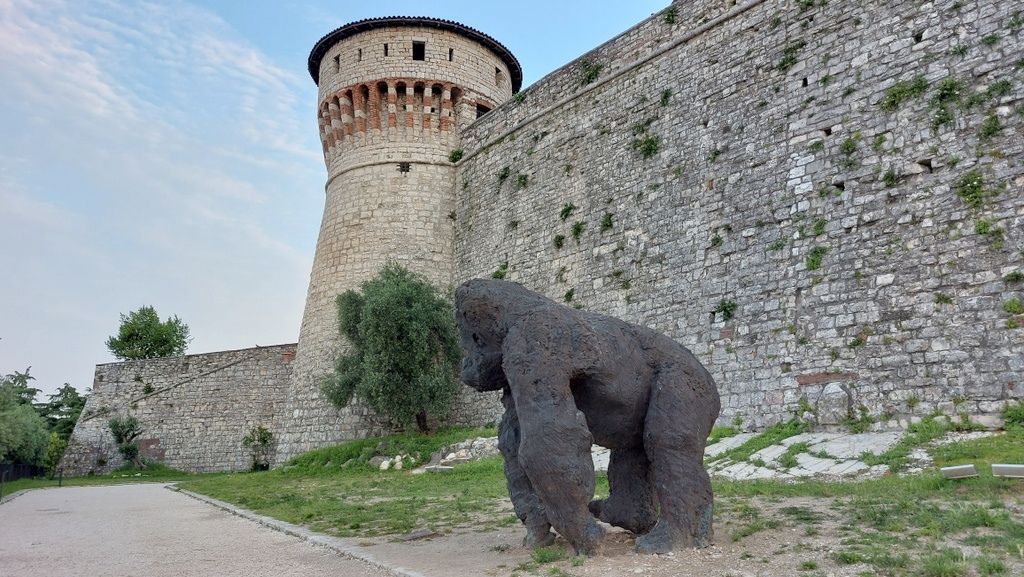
(590, 71)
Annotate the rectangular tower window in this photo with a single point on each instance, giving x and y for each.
(482, 109)
(451, 55)
(359, 56)
(497, 76)
(419, 50)
(337, 63)
(385, 49)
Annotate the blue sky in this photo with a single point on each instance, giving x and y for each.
(166, 154)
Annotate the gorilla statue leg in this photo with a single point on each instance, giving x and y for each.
(630, 503)
(526, 503)
(676, 450)
(554, 450)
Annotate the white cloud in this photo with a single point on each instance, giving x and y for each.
(151, 156)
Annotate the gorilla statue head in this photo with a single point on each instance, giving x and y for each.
(479, 318)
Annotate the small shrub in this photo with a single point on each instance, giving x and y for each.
(455, 155)
(859, 424)
(905, 90)
(819, 227)
(522, 180)
(670, 15)
(1015, 276)
(504, 173)
(991, 39)
(501, 272)
(726, 308)
(606, 222)
(147, 389)
(717, 241)
(890, 178)
(567, 211)
(519, 97)
(816, 146)
(943, 299)
(1016, 22)
(970, 188)
(567, 297)
(789, 56)
(946, 97)
(1014, 306)
(813, 260)
(559, 241)
(577, 231)
(647, 146)
(1013, 415)
(990, 127)
(666, 96)
(999, 89)
(590, 71)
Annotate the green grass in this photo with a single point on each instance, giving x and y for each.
(335, 491)
(771, 436)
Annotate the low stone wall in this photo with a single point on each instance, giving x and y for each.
(194, 409)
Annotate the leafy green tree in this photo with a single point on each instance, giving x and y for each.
(62, 410)
(405, 350)
(14, 389)
(54, 452)
(23, 433)
(143, 336)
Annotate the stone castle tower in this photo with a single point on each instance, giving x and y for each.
(395, 94)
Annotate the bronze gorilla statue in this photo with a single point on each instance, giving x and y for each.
(572, 378)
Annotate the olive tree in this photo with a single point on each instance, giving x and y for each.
(404, 353)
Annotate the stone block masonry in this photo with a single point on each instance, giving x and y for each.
(194, 409)
(824, 201)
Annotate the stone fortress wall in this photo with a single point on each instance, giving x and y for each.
(194, 409)
(821, 200)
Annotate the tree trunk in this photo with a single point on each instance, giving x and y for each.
(421, 422)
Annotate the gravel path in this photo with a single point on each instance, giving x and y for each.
(148, 530)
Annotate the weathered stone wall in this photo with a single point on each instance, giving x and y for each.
(821, 200)
(194, 409)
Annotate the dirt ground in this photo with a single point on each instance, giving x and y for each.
(796, 546)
